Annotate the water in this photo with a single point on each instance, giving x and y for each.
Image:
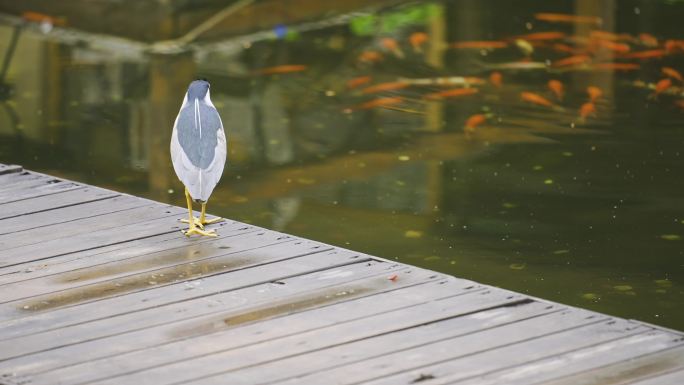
(588, 213)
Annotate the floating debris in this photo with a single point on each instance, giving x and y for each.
(663, 282)
(591, 296)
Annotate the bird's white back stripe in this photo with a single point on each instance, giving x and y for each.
(198, 118)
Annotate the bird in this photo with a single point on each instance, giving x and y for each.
(198, 152)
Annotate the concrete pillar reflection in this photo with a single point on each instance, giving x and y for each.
(52, 93)
(169, 79)
(606, 10)
(434, 111)
(434, 55)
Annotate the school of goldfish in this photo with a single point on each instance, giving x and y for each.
(555, 54)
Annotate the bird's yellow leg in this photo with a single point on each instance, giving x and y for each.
(203, 220)
(194, 219)
(193, 228)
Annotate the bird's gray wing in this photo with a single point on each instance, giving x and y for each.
(212, 174)
(185, 170)
(199, 147)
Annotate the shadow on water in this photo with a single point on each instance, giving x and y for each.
(404, 130)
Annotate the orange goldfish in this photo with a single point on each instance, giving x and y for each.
(417, 39)
(37, 17)
(557, 88)
(393, 46)
(283, 69)
(671, 72)
(533, 98)
(611, 45)
(380, 102)
(484, 44)
(389, 86)
(541, 36)
(358, 81)
(587, 109)
(452, 93)
(561, 47)
(650, 54)
(662, 85)
(615, 66)
(648, 40)
(473, 122)
(565, 18)
(496, 79)
(594, 93)
(370, 57)
(673, 46)
(389, 43)
(571, 61)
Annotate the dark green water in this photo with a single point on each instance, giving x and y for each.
(588, 213)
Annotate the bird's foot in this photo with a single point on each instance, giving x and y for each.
(196, 220)
(194, 230)
(200, 223)
(210, 221)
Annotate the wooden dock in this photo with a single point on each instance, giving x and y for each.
(101, 287)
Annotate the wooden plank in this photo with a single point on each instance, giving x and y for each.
(92, 240)
(145, 338)
(335, 345)
(131, 283)
(601, 364)
(42, 190)
(361, 311)
(215, 256)
(299, 253)
(296, 295)
(626, 366)
(11, 181)
(54, 201)
(480, 355)
(26, 182)
(323, 366)
(10, 169)
(106, 205)
(118, 252)
(11, 241)
(676, 377)
(447, 369)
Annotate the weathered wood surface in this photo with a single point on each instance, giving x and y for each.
(101, 287)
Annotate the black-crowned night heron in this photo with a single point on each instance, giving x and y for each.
(198, 151)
